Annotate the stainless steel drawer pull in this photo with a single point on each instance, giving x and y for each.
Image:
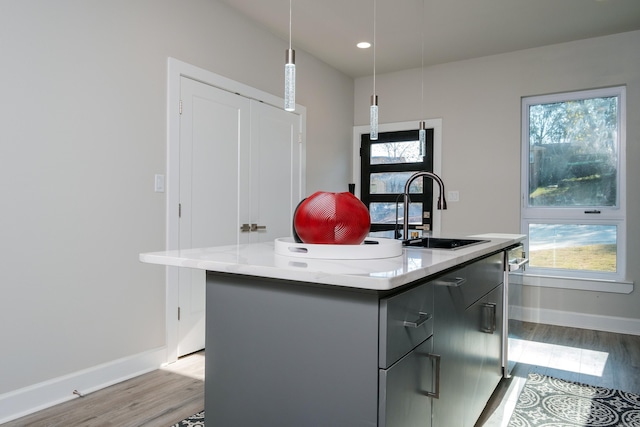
(450, 281)
(423, 318)
(435, 394)
(489, 322)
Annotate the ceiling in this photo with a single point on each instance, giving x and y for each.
(452, 30)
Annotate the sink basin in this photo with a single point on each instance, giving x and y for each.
(441, 243)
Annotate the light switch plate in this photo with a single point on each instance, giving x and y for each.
(159, 183)
(453, 196)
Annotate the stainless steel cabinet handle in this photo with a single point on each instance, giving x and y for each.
(421, 319)
(520, 262)
(450, 281)
(489, 322)
(435, 394)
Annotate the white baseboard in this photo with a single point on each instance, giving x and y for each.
(27, 400)
(620, 325)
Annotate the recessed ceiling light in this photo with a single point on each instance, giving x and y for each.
(364, 45)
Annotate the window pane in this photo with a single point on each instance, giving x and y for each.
(393, 183)
(385, 213)
(573, 150)
(573, 246)
(395, 152)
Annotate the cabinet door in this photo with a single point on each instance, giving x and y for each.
(448, 336)
(471, 364)
(483, 350)
(403, 390)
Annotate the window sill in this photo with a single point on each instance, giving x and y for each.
(572, 283)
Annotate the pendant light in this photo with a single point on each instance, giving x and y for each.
(373, 116)
(290, 73)
(422, 133)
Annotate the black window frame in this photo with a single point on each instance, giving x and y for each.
(366, 169)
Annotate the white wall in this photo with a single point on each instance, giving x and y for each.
(83, 131)
(479, 102)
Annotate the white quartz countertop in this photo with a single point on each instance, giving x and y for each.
(260, 260)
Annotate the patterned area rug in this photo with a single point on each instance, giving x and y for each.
(195, 420)
(550, 402)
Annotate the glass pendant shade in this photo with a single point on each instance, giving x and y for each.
(290, 80)
(422, 135)
(373, 133)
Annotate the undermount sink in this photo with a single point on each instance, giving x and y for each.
(441, 243)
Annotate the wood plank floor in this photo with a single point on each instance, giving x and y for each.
(581, 355)
(158, 399)
(164, 397)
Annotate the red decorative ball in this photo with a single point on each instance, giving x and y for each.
(332, 218)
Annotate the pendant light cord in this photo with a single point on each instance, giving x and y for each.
(422, 65)
(374, 47)
(290, 24)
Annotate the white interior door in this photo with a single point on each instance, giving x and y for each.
(214, 138)
(275, 171)
(191, 90)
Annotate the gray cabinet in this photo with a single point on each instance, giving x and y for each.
(283, 353)
(289, 354)
(406, 388)
(296, 354)
(483, 349)
(449, 344)
(406, 377)
(406, 320)
(467, 336)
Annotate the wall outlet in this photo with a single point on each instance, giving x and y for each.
(453, 196)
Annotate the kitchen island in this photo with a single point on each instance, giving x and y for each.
(293, 341)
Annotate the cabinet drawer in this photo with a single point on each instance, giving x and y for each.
(482, 276)
(404, 389)
(406, 320)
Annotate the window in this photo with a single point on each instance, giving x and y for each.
(386, 165)
(573, 183)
